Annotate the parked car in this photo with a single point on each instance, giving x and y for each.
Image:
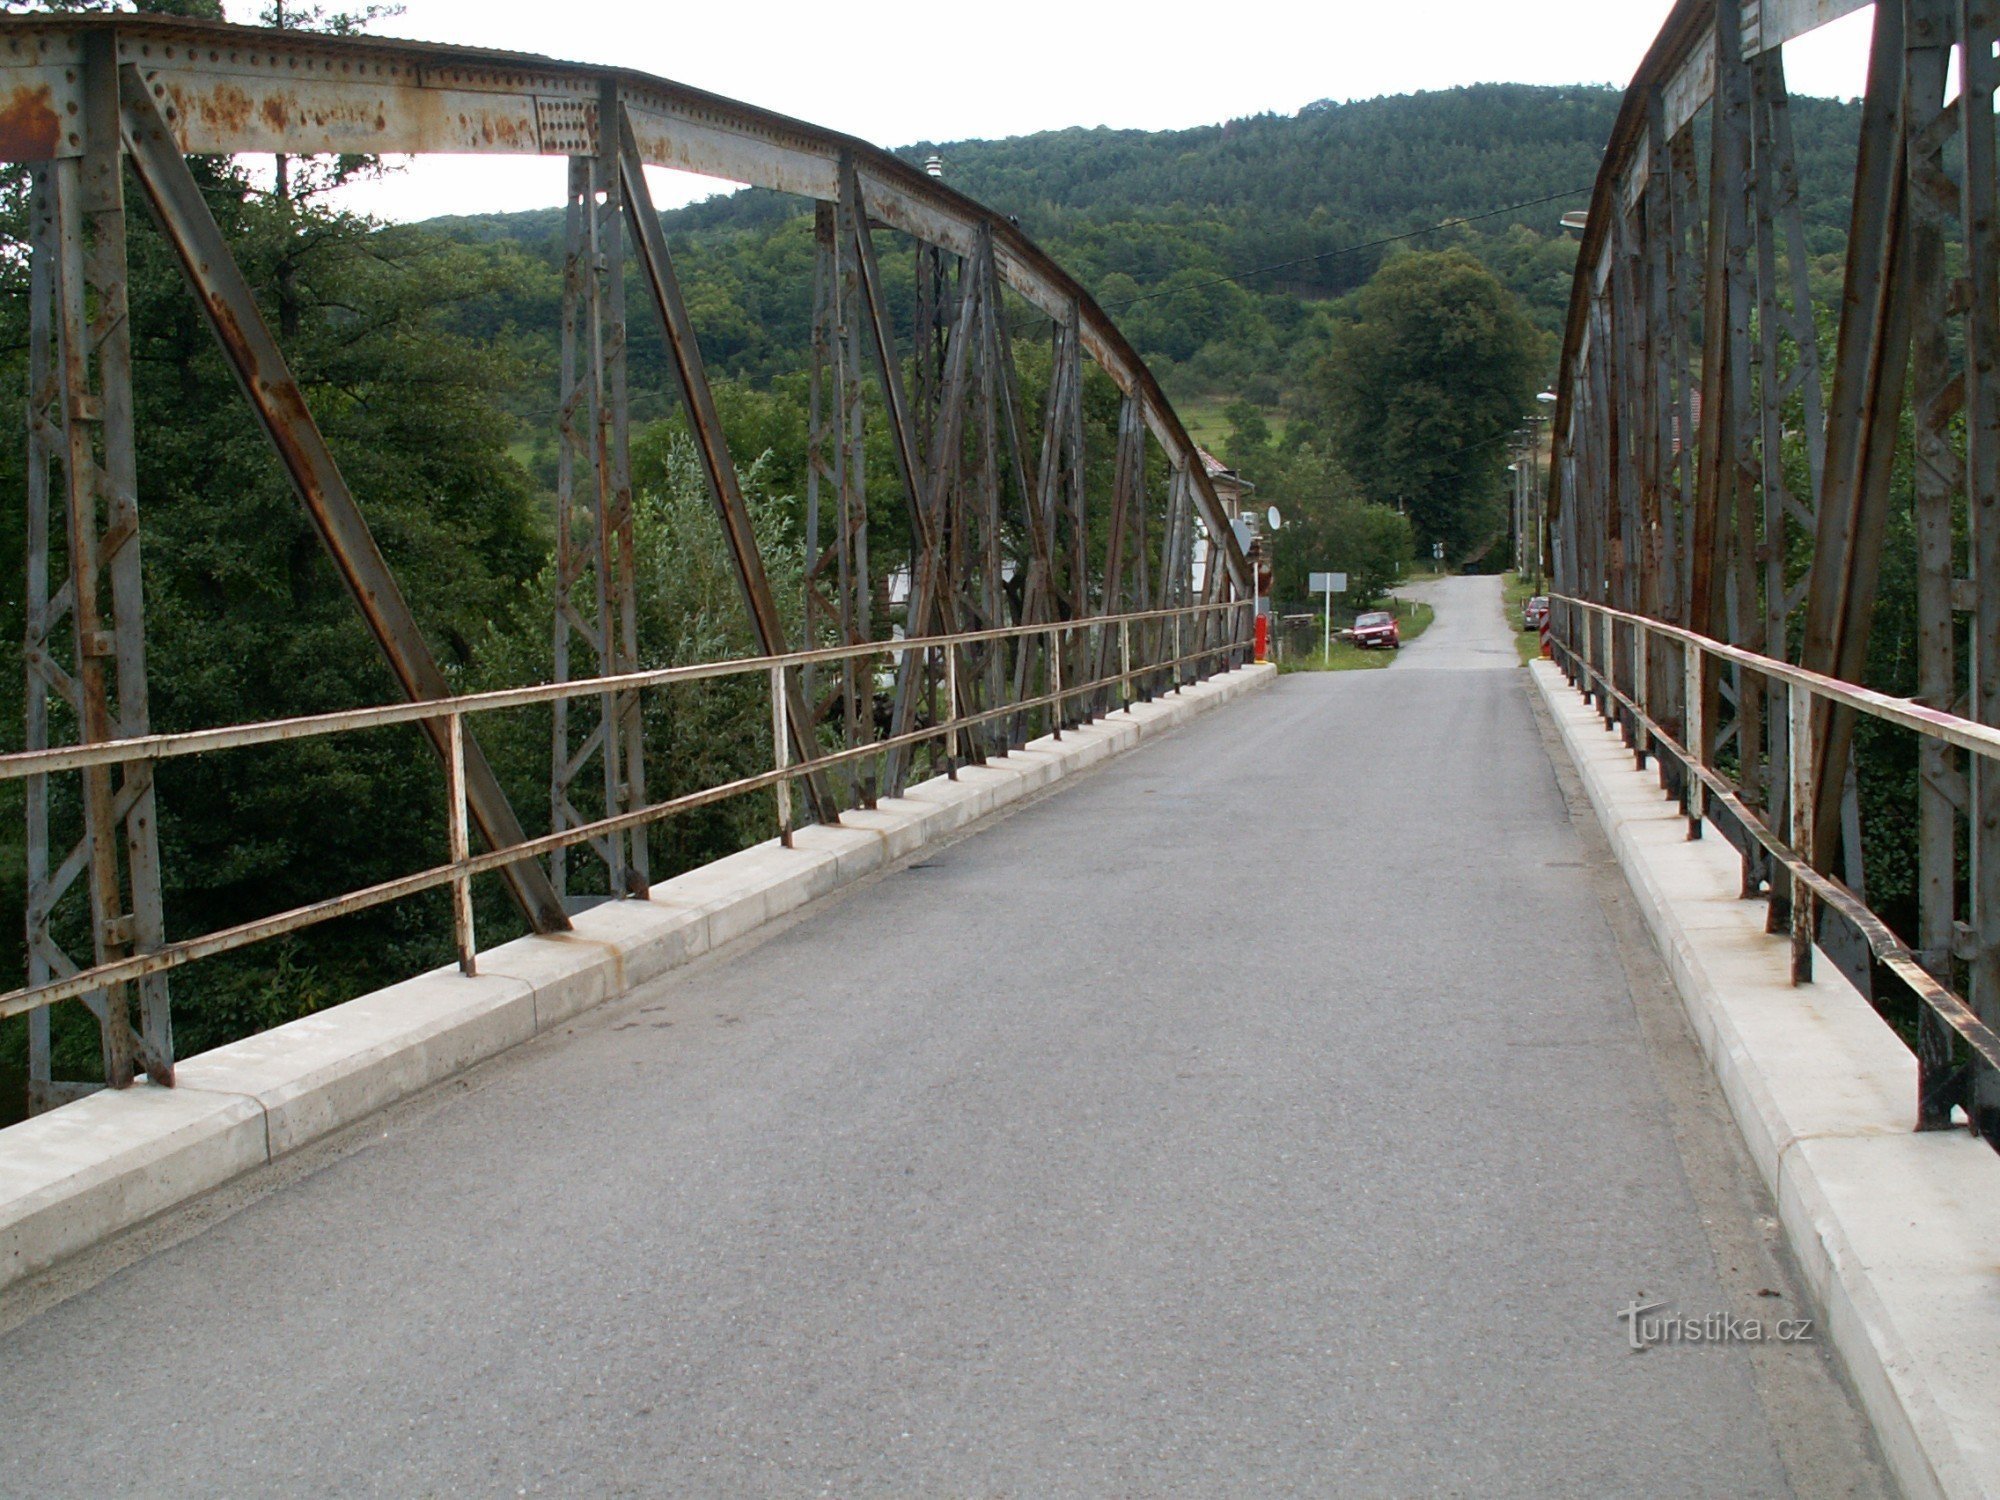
(1376, 628)
(1535, 612)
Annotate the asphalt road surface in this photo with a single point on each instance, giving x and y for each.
(1288, 1107)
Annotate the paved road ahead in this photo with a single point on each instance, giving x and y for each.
(1269, 1112)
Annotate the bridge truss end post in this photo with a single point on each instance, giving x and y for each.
(1693, 790)
(1799, 747)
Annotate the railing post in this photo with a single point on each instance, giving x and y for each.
(458, 844)
(1125, 665)
(781, 753)
(1641, 651)
(1798, 725)
(951, 713)
(1178, 679)
(1693, 792)
(1055, 683)
(1589, 683)
(1614, 718)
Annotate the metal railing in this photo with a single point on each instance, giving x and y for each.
(1594, 644)
(1205, 630)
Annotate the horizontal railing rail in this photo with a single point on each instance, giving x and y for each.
(1590, 658)
(1217, 638)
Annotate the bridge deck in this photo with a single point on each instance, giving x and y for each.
(1274, 1109)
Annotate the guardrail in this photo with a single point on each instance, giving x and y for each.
(1597, 647)
(1162, 663)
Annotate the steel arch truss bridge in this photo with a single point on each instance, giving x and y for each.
(1008, 558)
(1728, 460)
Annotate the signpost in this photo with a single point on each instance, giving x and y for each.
(1328, 584)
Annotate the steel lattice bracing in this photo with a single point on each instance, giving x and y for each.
(1002, 534)
(1716, 469)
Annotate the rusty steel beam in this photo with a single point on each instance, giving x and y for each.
(280, 406)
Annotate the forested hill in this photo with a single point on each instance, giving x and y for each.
(1136, 213)
(1278, 187)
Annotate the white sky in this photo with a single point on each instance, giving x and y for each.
(893, 75)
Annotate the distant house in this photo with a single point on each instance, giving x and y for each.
(1231, 488)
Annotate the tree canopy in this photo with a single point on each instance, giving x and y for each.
(1424, 386)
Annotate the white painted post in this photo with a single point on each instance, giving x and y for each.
(1696, 735)
(1055, 683)
(1642, 740)
(458, 844)
(1798, 722)
(781, 753)
(1589, 659)
(951, 712)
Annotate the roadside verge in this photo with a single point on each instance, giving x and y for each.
(1898, 1234)
(79, 1174)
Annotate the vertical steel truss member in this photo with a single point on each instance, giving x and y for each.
(1790, 396)
(1937, 394)
(1979, 34)
(853, 223)
(1868, 380)
(718, 468)
(1126, 587)
(1063, 481)
(837, 602)
(274, 395)
(1176, 569)
(1726, 512)
(940, 420)
(80, 421)
(595, 600)
(1033, 582)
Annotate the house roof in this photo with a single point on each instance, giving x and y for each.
(1217, 469)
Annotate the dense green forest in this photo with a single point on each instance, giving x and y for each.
(429, 355)
(1153, 222)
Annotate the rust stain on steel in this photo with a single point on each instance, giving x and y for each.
(222, 107)
(30, 129)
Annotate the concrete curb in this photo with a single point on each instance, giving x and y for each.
(85, 1171)
(1898, 1233)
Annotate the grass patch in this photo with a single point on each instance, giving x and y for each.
(1203, 417)
(1414, 619)
(1516, 593)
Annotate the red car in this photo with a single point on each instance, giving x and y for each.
(1376, 628)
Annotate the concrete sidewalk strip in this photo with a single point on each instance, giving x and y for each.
(1898, 1233)
(86, 1171)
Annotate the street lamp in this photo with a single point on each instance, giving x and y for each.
(1520, 517)
(1532, 484)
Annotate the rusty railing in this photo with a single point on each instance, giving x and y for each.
(1129, 656)
(1653, 682)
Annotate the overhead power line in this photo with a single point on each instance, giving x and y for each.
(1308, 260)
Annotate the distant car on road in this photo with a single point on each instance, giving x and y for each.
(1535, 612)
(1376, 628)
